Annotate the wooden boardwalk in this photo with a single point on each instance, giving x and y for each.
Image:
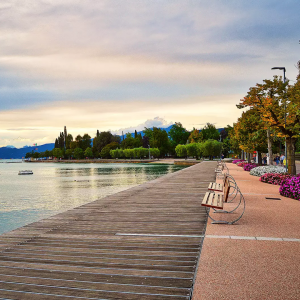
(142, 243)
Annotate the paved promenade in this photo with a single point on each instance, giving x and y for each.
(259, 257)
(142, 243)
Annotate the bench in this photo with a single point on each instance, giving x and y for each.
(216, 200)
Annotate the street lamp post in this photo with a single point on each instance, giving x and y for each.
(149, 151)
(285, 151)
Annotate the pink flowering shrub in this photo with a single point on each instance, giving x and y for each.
(249, 167)
(274, 178)
(237, 161)
(291, 187)
(241, 164)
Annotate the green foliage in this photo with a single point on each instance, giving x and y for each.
(192, 150)
(155, 152)
(105, 152)
(226, 147)
(178, 135)
(88, 152)
(210, 132)
(86, 142)
(103, 139)
(78, 153)
(69, 139)
(69, 153)
(212, 148)
(115, 153)
(29, 154)
(181, 150)
(158, 138)
(57, 152)
(129, 142)
(129, 153)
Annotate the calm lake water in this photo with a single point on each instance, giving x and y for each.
(54, 188)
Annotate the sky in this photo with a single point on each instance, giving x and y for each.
(122, 65)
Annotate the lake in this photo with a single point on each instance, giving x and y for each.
(57, 187)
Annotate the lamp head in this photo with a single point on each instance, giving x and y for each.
(279, 68)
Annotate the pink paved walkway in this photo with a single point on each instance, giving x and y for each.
(232, 268)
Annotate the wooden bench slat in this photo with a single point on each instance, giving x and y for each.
(213, 186)
(213, 200)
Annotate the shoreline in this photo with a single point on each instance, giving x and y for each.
(189, 162)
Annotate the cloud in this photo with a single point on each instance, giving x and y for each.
(155, 122)
(112, 64)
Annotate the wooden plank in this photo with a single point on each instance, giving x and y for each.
(79, 254)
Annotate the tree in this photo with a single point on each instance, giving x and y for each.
(69, 153)
(212, 148)
(29, 154)
(105, 152)
(192, 150)
(178, 135)
(78, 141)
(274, 100)
(210, 132)
(78, 153)
(154, 152)
(88, 152)
(47, 153)
(73, 145)
(86, 142)
(102, 139)
(195, 136)
(181, 150)
(250, 133)
(128, 142)
(69, 139)
(57, 152)
(158, 138)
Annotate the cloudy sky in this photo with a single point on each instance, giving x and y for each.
(120, 65)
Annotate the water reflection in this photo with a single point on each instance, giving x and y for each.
(57, 187)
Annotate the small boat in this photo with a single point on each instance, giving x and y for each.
(25, 172)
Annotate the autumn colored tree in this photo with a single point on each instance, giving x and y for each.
(195, 136)
(250, 133)
(278, 104)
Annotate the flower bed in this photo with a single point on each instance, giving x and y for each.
(291, 188)
(259, 171)
(249, 167)
(237, 161)
(241, 164)
(273, 178)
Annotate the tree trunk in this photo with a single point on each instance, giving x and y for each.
(259, 158)
(270, 147)
(290, 145)
(249, 157)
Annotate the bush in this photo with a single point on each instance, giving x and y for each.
(249, 167)
(273, 178)
(291, 188)
(154, 152)
(241, 164)
(259, 171)
(180, 150)
(237, 161)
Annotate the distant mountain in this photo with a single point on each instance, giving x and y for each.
(10, 146)
(9, 152)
